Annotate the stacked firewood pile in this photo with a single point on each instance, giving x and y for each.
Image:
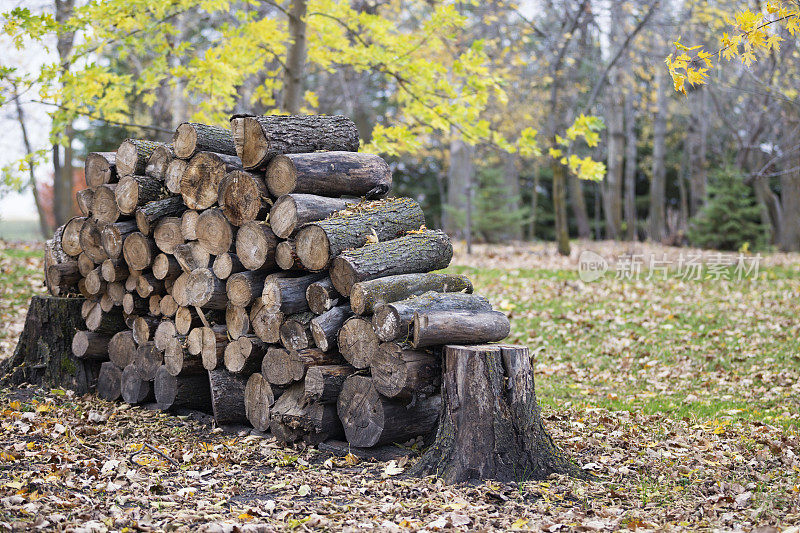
(262, 273)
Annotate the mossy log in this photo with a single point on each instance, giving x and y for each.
(366, 296)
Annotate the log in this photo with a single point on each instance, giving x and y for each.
(286, 256)
(114, 270)
(147, 284)
(84, 199)
(154, 304)
(148, 360)
(166, 267)
(114, 235)
(133, 304)
(282, 367)
(366, 296)
(95, 284)
(259, 396)
(292, 419)
(394, 321)
(85, 264)
(358, 342)
(167, 234)
(212, 349)
(91, 242)
(100, 168)
(122, 348)
(266, 324)
(106, 303)
(143, 329)
(191, 391)
(165, 331)
(290, 402)
(214, 232)
(159, 161)
(191, 256)
(243, 197)
(139, 251)
(322, 296)
(244, 287)
(189, 224)
(319, 242)
(135, 191)
(296, 331)
(105, 323)
(172, 176)
(244, 355)
(226, 264)
(291, 211)
(186, 319)
(90, 345)
(130, 281)
(260, 138)
(132, 156)
(398, 371)
(192, 137)
(288, 294)
(62, 277)
(255, 246)
(167, 306)
(227, 396)
(178, 362)
(109, 382)
(148, 214)
(329, 174)
(206, 290)
(370, 419)
(432, 328)
(323, 383)
(104, 204)
(413, 253)
(135, 390)
(71, 236)
(180, 292)
(200, 181)
(325, 327)
(237, 321)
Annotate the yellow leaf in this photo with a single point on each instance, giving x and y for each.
(519, 523)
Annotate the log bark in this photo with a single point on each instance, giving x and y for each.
(226, 264)
(109, 382)
(159, 161)
(191, 137)
(260, 138)
(70, 241)
(114, 270)
(100, 168)
(243, 197)
(139, 251)
(172, 177)
(200, 181)
(323, 383)
(288, 294)
(329, 174)
(394, 321)
(255, 246)
(135, 191)
(491, 426)
(191, 391)
(191, 256)
(319, 242)
(166, 267)
(113, 236)
(63, 278)
(398, 371)
(266, 324)
(237, 321)
(296, 331)
(413, 253)
(458, 327)
(282, 367)
(244, 287)
(148, 360)
(227, 396)
(322, 296)
(291, 419)
(178, 362)
(259, 396)
(91, 242)
(122, 348)
(206, 290)
(135, 390)
(132, 156)
(104, 204)
(148, 214)
(167, 234)
(214, 232)
(358, 342)
(325, 327)
(291, 211)
(84, 199)
(370, 419)
(106, 323)
(245, 354)
(366, 296)
(286, 256)
(213, 342)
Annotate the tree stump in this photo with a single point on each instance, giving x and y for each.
(44, 353)
(490, 425)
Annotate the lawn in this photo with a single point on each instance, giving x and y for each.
(680, 395)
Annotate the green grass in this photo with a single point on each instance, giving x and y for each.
(20, 230)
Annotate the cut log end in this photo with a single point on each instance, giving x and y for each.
(282, 175)
(313, 248)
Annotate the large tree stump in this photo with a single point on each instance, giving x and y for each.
(44, 353)
(490, 425)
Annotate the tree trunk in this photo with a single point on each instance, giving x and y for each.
(243, 197)
(191, 138)
(631, 232)
(579, 206)
(255, 246)
(698, 137)
(329, 174)
(560, 207)
(325, 327)
(657, 220)
(434, 328)
(790, 200)
(227, 397)
(291, 211)
(295, 58)
(460, 175)
(612, 190)
(358, 342)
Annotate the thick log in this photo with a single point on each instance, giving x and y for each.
(113, 237)
(259, 396)
(260, 138)
(266, 324)
(190, 391)
(191, 256)
(167, 234)
(70, 241)
(122, 348)
(292, 419)
(189, 224)
(255, 246)
(133, 304)
(159, 161)
(413, 253)
(148, 214)
(172, 177)
(104, 204)
(214, 232)
(226, 264)
(166, 267)
(398, 371)
(148, 360)
(200, 181)
(325, 327)
(85, 264)
(291, 211)
(139, 251)
(192, 137)
(394, 321)
(178, 362)
(135, 191)
(143, 328)
(132, 156)
(206, 290)
(167, 306)
(282, 367)
(458, 327)
(213, 341)
(105, 323)
(237, 321)
(244, 287)
(288, 294)
(286, 256)
(319, 242)
(370, 419)
(244, 355)
(329, 174)
(322, 296)
(243, 197)
(290, 402)
(114, 270)
(358, 342)
(323, 383)
(135, 390)
(296, 331)
(227, 396)
(109, 382)
(100, 168)
(366, 296)
(62, 278)
(147, 284)
(165, 331)
(90, 345)
(84, 199)
(91, 242)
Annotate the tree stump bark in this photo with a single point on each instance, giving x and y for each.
(490, 425)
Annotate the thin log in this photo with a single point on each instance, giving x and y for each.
(323, 383)
(113, 236)
(84, 199)
(139, 251)
(325, 327)
(85, 264)
(159, 161)
(90, 345)
(288, 294)
(286, 256)
(366, 296)
(105, 323)
(214, 232)
(192, 137)
(91, 242)
(165, 331)
(358, 342)
(147, 284)
(154, 303)
(148, 360)
(180, 290)
(322, 296)
(282, 367)
(394, 321)
(432, 328)
(259, 396)
(206, 290)
(95, 284)
(226, 264)
(296, 331)
(71, 236)
(132, 156)
(114, 270)
(133, 304)
(172, 177)
(245, 354)
(167, 234)
(213, 341)
(178, 362)
(237, 321)
(189, 224)
(266, 324)
(166, 267)
(244, 287)
(135, 191)
(191, 256)
(104, 204)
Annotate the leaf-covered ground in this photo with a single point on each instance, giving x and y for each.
(681, 396)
